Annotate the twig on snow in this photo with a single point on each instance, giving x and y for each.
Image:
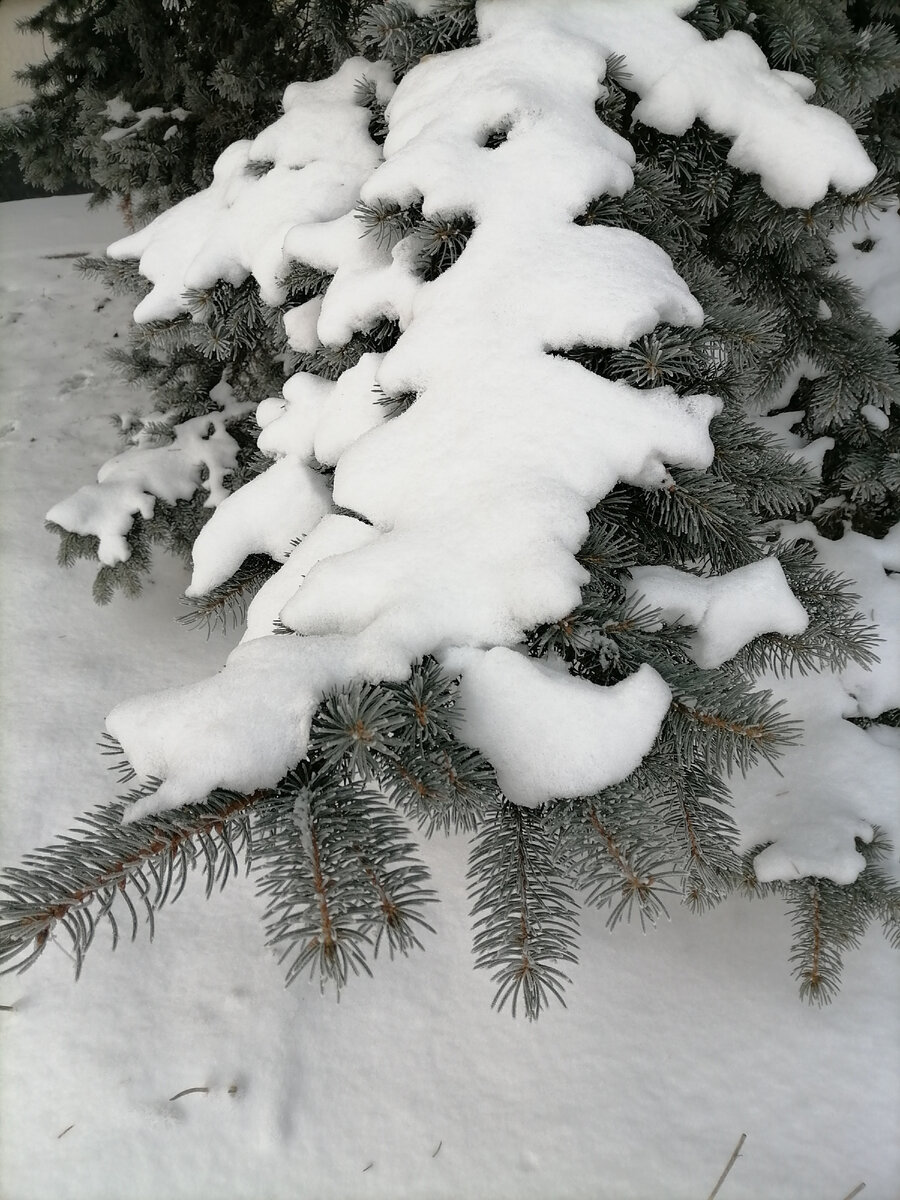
(187, 1092)
(734, 1157)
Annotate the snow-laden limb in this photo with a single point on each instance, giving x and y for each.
(335, 534)
(118, 110)
(477, 495)
(841, 780)
(317, 419)
(727, 611)
(263, 517)
(799, 150)
(202, 452)
(321, 152)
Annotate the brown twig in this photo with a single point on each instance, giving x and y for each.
(859, 1187)
(187, 1092)
(734, 1157)
(68, 1127)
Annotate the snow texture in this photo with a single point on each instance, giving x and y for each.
(841, 780)
(200, 455)
(334, 534)
(727, 611)
(262, 517)
(477, 495)
(549, 734)
(479, 492)
(119, 110)
(799, 150)
(868, 254)
(321, 151)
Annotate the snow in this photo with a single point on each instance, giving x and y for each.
(410, 1087)
(480, 491)
(201, 455)
(317, 419)
(549, 734)
(119, 110)
(236, 227)
(262, 517)
(334, 534)
(798, 149)
(727, 611)
(868, 254)
(841, 780)
(810, 454)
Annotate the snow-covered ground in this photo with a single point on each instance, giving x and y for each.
(673, 1043)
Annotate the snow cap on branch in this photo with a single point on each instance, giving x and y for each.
(477, 494)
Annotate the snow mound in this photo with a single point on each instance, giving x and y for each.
(551, 735)
(841, 780)
(321, 152)
(727, 611)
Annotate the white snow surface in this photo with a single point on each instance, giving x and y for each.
(480, 491)
(798, 149)
(119, 110)
(727, 611)
(334, 534)
(263, 517)
(868, 254)
(411, 1088)
(321, 151)
(548, 734)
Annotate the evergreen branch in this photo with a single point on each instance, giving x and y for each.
(837, 633)
(75, 883)
(225, 606)
(526, 917)
(339, 875)
(615, 848)
(828, 919)
(719, 723)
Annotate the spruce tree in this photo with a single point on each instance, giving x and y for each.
(522, 527)
(136, 101)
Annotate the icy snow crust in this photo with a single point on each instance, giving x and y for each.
(472, 503)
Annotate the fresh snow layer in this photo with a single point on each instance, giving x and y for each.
(868, 254)
(841, 780)
(411, 1087)
(334, 534)
(798, 149)
(321, 151)
(548, 734)
(201, 454)
(727, 611)
(479, 492)
(262, 517)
